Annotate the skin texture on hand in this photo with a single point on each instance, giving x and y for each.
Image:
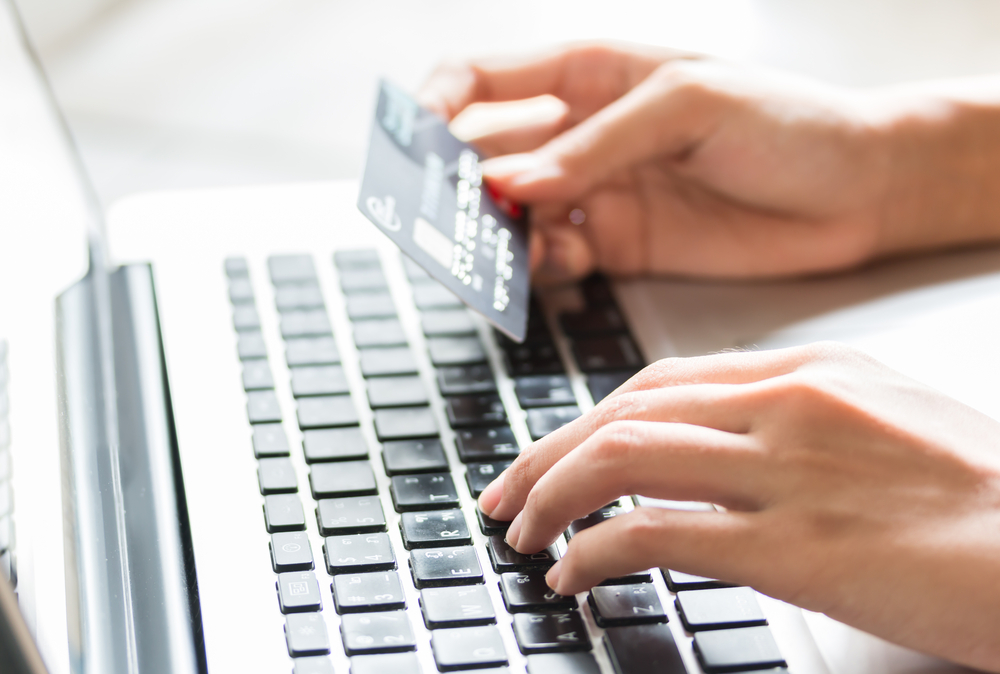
(848, 489)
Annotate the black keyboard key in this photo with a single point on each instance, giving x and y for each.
(562, 663)
(469, 411)
(250, 344)
(486, 444)
(276, 475)
(595, 354)
(602, 384)
(678, 581)
(357, 553)
(386, 663)
(387, 361)
(639, 649)
(403, 423)
(298, 591)
(435, 296)
(314, 664)
(291, 269)
(342, 478)
(370, 305)
(257, 375)
(240, 291)
(319, 380)
(631, 579)
(550, 632)
(326, 411)
(490, 526)
(383, 632)
(626, 605)
(245, 317)
(354, 515)
(236, 267)
(430, 491)
(465, 380)
(263, 407)
(311, 351)
(447, 323)
(379, 332)
(450, 351)
(468, 648)
(533, 358)
(605, 320)
(434, 528)
(334, 444)
(506, 559)
(359, 258)
(396, 392)
(305, 323)
(719, 608)
(596, 291)
(528, 592)
(737, 650)
(283, 512)
(269, 440)
(456, 606)
(354, 281)
(305, 634)
(298, 296)
(544, 391)
(544, 420)
(363, 592)
(479, 475)
(440, 567)
(290, 551)
(593, 519)
(414, 456)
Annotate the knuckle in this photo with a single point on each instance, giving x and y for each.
(615, 440)
(685, 78)
(628, 405)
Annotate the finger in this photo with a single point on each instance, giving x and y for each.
(565, 254)
(711, 544)
(672, 461)
(521, 138)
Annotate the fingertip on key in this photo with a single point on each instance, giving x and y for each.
(514, 531)
(490, 498)
(552, 577)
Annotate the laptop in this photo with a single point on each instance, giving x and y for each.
(245, 434)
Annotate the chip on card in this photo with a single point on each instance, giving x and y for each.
(424, 189)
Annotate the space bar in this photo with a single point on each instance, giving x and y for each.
(640, 649)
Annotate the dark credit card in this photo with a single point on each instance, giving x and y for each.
(423, 188)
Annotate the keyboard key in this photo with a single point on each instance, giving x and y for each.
(276, 476)
(456, 606)
(486, 444)
(245, 317)
(293, 297)
(291, 269)
(262, 407)
(544, 420)
(562, 663)
(334, 444)
(356, 515)
(354, 281)
(257, 375)
(481, 410)
(737, 650)
(269, 440)
(298, 591)
(528, 359)
(314, 664)
(307, 323)
(383, 632)
(414, 456)
(450, 351)
(678, 581)
(236, 267)
(479, 475)
(373, 591)
(528, 592)
(434, 528)
(325, 411)
(435, 296)
(439, 567)
(490, 526)
(505, 558)
(631, 579)
(290, 551)
(250, 344)
(402, 423)
(379, 332)
(430, 491)
(396, 392)
(544, 391)
(305, 634)
(626, 605)
(596, 290)
(602, 384)
(342, 478)
(357, 553)
(283, 512)
(464, 380)
(593, 519)
(604, 320)
(370, 305)
(719, 608)
(360, 258)
(387, 361)
(640, 649)
(319, 380)
(386, 663)
(550, 632)
(468, 648)
(595, 354)
(447, 323)
(240, 291)
(311, 351)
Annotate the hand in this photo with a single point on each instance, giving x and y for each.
(683, 164)
(848, 489)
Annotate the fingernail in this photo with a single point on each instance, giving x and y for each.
(552, 577)
(514, 532)
(490, 498)
(510, 165)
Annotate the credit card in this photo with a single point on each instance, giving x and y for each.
(423, 188)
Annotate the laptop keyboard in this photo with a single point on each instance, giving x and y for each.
(398, 517)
